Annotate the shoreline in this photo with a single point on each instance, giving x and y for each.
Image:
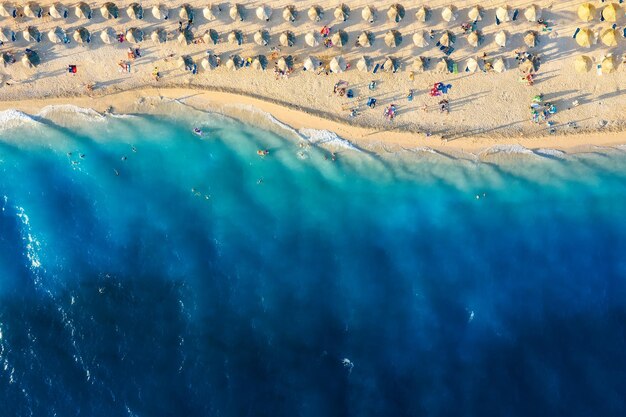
(144, 101)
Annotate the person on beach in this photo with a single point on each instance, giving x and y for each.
(155, 74)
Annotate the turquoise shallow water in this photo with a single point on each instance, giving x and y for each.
(168, 274)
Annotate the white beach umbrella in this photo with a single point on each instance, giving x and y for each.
(609, 37)
(393, 38)
(418, 64)
(442, 66)
(109, 10)
(582, 64)
(395, 13)
(315, 13)
(390, 65)
(449, 13)
(499, 65)
(31, 34)
(363, 64)
(342, 13)
(419, 39)
(473, 39)
(340, 38)
(159, 36)
(235, 13)
(134, 35)
(30, 60)
(205, 64)
(475, 14)
(608, 64)
(471, 65)
(365, 39)
(8, 10)
(532, 13)
(287, 38)
(261, 37)
(33, 10)
(232, 63)
(135, 11)
(263, 13)
(446, 39)
(311, 64)
(108, 36)
(57, 35)
(211, 12)
(422, 14)
(338, 64)
(311, 39)
(82, 35)
(7, 35)
(289, 14)
(184, 37)
(83, 11)
(58, 11)
(501, 39)
(160, 12)
(503, 13)
(368, 14)
(235, 37)
(186, 12)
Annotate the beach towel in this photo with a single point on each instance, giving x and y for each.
(376, 68)
(576, 32)
(515, 13)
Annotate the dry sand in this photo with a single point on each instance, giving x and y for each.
(486, 108)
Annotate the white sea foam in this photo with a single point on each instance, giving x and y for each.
(506, 149)
(32, 244)
(553, 153)
(326, 138)
(91, 114)
(14, 118)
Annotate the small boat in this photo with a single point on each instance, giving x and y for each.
(197, 131)
(262, 152)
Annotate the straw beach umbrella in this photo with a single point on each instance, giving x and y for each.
(8, 10)
(211, 12)
(422, 14)
(33, 10)
(159, 36)
(368, 14)
(395, 13)
(527, 66)
(263, 13)
(393, 38)
(390, 65)
(30, 59)
(449, 13)
(211, 36)
(82, 11)
(418, 64)
(609, 37)
(442, 66)
(363, 64)
(261, 37)
(108, 36)
(499, 65)
(259, 63)
(584, 38)
(235, 13)
(532, 13)
(287, 38)
(7, 35)
(109, 10)
(586, 11)
(342, 13)
(475, 14)
(289, 14)
(365, 39)
(419, 39)
(582, 64)
(530, 39)
(232, 63)
(285, 63)
(503, 13)
(338, 64)
(82, 35)
(473, 39)
(608, 64)
(446, 39)
(58, 11)
(340, 38)
(501, 39)
(57, 35)
(31, 34)
(134, 35)
(471, 65)
(315, 13)
(135, 11)
(185, 61)
(186, 12)
(311, 39)
(160, 12)
(610, 12)
(235, 37)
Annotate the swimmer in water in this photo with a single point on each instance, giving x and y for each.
(197, 131)
(262, 152)
(133, 149)
(124, 158)
(117, 173)
(82, 156)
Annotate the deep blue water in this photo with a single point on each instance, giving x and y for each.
(204, 280)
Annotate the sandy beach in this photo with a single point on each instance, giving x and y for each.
(486, 108)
